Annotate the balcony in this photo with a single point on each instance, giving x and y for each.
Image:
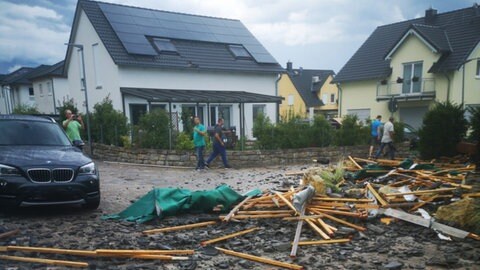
(421, 89)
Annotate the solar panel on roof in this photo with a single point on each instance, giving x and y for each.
(140, 22)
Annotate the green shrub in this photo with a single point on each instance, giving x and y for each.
(153, 130)
(351, 132)
(443, 127)
(108, 125)
(399, 134)
(184, 141)
(320, 132)
(293, 133)
(264, 132)
(474, 124)
(25, 109)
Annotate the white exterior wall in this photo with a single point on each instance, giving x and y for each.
(107, 72)
(47, 102)
(202, 80)
(13, 96)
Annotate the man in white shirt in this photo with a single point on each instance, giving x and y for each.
(387, 139)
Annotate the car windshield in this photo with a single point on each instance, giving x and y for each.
(14, 132)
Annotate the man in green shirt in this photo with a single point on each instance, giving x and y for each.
(72, 126)
(199, 133)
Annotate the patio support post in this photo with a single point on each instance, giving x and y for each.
(170, 125)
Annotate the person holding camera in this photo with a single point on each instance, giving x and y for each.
(72, 126)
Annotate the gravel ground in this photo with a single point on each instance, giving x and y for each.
(396, 246)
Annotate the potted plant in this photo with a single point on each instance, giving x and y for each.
(399, 80)
(383, 82)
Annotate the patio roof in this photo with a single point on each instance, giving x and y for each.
(199, 96)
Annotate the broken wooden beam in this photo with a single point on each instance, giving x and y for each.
(317, 229)
(341, 221)
(52, 250)
(181, 227)
(44, 261)
(136, 252)
(376, 195)
(9, 233)
(438, 190)
(260, 259)
(238, 217)
(236, 208)
(323, 242)
(228, 236)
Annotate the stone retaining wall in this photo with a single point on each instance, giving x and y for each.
(237, 159)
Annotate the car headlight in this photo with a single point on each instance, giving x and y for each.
(88, 169)
(8, 170)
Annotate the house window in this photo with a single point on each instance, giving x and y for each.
(478, 69)
(155, 107)
(258, 110)
(412, 78)
(239, 51)
(221, 112)
(332, 98)
(291, 100)
(49, 88)
(96, 66)
(362, 114)
(40, 87)
(31, 93)
(325, 99)
(164, 45)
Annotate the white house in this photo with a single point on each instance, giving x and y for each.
(16, 89)
(145, 59)
(50, 88)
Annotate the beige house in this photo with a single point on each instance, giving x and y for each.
(307, 92)
(402, 68)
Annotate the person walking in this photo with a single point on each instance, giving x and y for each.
(218, 146)
(387, 139)
(375, 134)
(199, 134)
(72, 125)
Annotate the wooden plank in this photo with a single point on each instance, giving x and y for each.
(135, 252)
(325, 227)
(341, 221)
(328, 199)
(336, 212)
(287, 202)
(260, 259)
(236, 208)
(376, 195)
(181, 227)
(44, 261)
(52, 250)
(323, 242)
(228, 236)
(317, 229)
(9, 233)
(262, 212)
(296, 238)
(238, 217)
(438, 190)
(355, 163)
(160, 257)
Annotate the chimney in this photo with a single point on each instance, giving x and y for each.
(476, 8)
(289, 66)
(430, 15)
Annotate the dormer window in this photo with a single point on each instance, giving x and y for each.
(239, 52)
(164, 45)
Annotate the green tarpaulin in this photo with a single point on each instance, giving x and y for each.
(163, 202)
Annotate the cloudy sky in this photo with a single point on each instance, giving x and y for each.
(318, 34)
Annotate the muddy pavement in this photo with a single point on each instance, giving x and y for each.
(397, 246)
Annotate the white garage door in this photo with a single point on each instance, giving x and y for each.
(362, 114)
(413, 116)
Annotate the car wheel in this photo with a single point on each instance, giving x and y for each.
(92, 205)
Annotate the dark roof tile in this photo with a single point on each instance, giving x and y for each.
(302, 79)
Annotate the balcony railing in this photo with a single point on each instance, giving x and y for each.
(420, 89)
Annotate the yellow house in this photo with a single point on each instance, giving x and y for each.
(307, 92)
(402, 68)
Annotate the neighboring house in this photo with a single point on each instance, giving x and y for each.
(145, 59)
(16, 89)
(410, 64)
(50, 88)
(307, 92)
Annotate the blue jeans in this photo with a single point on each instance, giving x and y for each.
(391, 150)
(199, 153)
(218, 149)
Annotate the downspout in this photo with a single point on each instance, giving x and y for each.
(279, 76)
(448, 86)
(53, 94)
(339, 100)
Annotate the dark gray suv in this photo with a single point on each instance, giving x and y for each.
(40, 166)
